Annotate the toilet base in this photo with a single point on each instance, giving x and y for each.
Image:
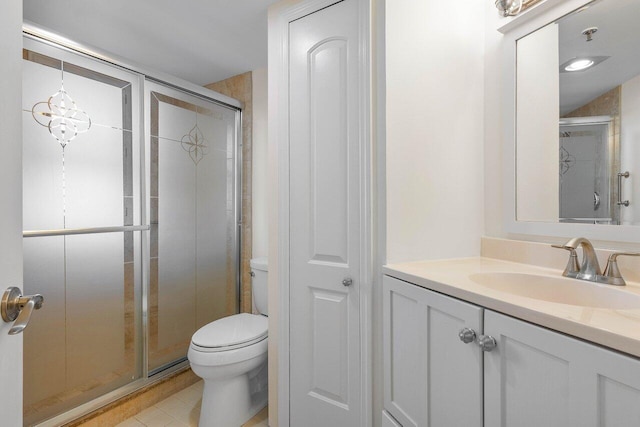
(233, 401)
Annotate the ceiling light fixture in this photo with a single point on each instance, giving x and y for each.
(581, 63)
(509, 7)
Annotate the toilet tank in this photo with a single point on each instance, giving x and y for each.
(259, 269)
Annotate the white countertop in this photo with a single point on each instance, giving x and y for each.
(618, 329)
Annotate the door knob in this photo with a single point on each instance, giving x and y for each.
(347, 281)
(18, 308)
(467, 335)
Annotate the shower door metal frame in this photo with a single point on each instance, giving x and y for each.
(31, 31)
(237, 191)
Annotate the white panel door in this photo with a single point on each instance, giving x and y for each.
(11, 211)
(431, 377)
(537, 377)
(325, 218)
(388, 420)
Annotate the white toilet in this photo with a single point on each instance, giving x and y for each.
(230, 355)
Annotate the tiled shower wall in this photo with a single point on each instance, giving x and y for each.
(240, 88)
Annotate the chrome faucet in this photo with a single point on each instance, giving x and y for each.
(590, 268)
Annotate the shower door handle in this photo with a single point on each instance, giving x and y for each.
(18, 308)
(620, 176)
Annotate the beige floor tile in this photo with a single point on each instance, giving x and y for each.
(154, 417)
(261, 419)
(148, 414)
(171, 405)
(183, 410)
(190, 396)
(194, 416)
(179, 410)
(197, 388)
(131, 422)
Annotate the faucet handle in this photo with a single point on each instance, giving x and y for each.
(573, 267)
(612, 272)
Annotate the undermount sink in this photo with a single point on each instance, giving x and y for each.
(558, 290)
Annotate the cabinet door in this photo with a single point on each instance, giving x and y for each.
(431, 378)
(537, 377)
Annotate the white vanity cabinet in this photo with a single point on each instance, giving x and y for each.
(534, 377)
(431, 377)
(537, 377)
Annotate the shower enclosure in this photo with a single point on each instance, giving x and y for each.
(589, 157)
(131, 213)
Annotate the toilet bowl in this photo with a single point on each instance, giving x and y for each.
(230, 355)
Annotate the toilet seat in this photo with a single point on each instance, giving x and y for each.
(230, 333)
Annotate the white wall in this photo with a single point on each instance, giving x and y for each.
(493, 123)
(259, 164)
(435, 128)
(629, 141)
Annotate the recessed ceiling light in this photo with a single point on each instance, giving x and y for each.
(579, 64)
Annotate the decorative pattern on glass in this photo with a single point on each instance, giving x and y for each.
(195, 144)
(61, 116)
(567, 160)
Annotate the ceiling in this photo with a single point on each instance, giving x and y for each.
(617, 37)
(201, 41)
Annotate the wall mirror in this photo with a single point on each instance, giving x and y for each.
(577, 126)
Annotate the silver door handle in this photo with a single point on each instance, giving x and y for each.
(620, 176)
(347, 281)
(18, 308)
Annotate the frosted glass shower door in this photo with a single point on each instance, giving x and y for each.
(193, 205)
(81, 157)
(585, 169)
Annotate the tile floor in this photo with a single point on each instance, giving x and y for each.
(182, 410)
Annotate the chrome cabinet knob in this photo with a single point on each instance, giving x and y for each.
(347, 281)
(467, 335)
(487, 343)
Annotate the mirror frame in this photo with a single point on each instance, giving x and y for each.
(516, 28)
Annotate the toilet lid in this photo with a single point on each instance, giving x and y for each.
(243, 328)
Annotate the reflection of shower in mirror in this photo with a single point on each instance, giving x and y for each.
(587, 159)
